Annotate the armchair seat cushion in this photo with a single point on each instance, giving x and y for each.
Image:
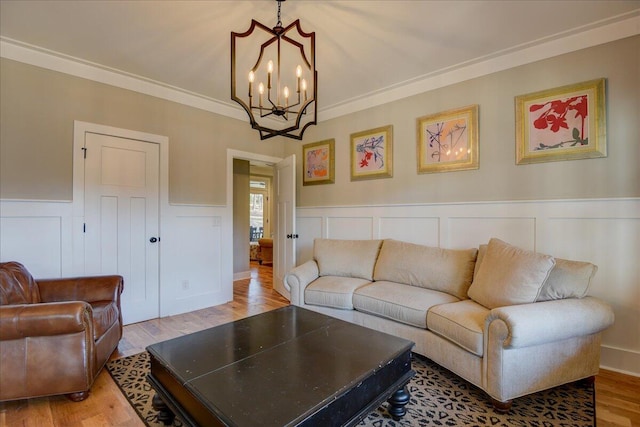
(403, 303)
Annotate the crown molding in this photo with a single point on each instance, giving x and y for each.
(594, 35)
(520, 55)
(55, 61)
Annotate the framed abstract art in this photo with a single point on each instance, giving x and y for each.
(448, 141)
(372, 153)
(318, 162)
(565, 123)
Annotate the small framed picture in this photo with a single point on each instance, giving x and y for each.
(318, 162)
(372, 153)
(448, 141)
(565, 123)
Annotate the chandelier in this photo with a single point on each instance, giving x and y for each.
(277, 83)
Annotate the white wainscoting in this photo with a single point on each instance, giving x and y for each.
(195, 262)
(38, 234)
(195, 246)
(604, 232)
(194, 269)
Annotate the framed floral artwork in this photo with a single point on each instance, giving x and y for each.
(318, 162)
(565, 123)
(448, 141)
(372, 154)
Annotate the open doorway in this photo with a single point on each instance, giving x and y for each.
(252, 224)
(260, 214)
(282, 223)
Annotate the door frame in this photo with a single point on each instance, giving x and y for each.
(240, 155)
(80, 128)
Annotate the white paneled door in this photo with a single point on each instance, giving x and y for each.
(285, 237)
(121, 212)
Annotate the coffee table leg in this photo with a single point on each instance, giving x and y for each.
(397, 403)
(165, 415)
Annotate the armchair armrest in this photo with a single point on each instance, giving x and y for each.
(299, 278)
(89, 289)
(543, 322)
(36, 320)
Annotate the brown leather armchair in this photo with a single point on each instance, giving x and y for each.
(265, 256)
(57, 334)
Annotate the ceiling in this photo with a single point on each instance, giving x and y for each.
(364, 48)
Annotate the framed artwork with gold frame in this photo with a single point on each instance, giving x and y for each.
(372, 153)
(448, 141)
(564, 123)
(318, 162)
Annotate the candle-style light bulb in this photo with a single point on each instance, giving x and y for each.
(298, 75)
(261, 92)
(286, 96)
(251, 78)
(304, 88)
(269, 71)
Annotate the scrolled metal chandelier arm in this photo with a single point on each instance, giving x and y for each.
(277, 111)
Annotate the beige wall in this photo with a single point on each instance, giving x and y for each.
(498, 178)
(37, 111)
(38, 108)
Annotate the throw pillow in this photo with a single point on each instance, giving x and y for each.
(568, 279)
(509, 275)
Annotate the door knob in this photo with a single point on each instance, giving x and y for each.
(154, 239)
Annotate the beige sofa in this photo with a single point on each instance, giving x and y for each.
(508, 320)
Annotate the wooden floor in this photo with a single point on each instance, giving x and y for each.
(617, 395)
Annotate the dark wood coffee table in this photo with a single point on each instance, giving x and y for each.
(285, 367)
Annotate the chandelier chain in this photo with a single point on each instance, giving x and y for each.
(279, 23)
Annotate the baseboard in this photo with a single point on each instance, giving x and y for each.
(242, 275)
(620, 360)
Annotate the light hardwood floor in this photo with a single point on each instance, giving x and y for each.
(617, 395)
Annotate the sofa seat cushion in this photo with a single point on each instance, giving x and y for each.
(105, 314)
(333, 291)
(402, 303)
(445, 270)
(460, 322)
(347, 258)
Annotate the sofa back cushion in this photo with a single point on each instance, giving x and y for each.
(568, 279)
(17, 285)
(482, 249)
(347, 258)
(444, 270)
(509, 275)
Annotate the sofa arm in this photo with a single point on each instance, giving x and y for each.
(297, 280)
(47, 319)
(549, 321)
(89, 289)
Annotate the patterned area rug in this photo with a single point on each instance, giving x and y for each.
(438, 398)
